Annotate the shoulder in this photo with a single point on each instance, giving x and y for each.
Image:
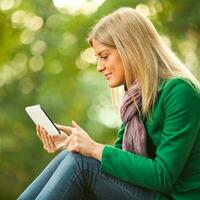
(179, 86)
(179, 94)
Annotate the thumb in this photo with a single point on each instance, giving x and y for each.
(66, 129)
(75, 125)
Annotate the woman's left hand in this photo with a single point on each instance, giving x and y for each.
(79, 141)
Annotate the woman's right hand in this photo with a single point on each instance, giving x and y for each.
(51, 143)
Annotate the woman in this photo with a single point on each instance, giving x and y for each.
(156, 154)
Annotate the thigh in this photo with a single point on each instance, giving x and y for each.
(51, 167)
(38, 184)
(108, 187)
(80, 177)
(101, 186)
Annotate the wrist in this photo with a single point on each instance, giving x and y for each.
(97, 151)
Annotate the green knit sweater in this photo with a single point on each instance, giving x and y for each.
(173, 143)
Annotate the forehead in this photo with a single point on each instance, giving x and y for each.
(99, 47)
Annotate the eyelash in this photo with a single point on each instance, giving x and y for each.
(103, 57)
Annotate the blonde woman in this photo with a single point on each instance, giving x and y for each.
(156, 154)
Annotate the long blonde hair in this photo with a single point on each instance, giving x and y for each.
(144, 56)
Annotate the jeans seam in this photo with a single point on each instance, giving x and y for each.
(117, 183)
(110, 180)
(68, 185)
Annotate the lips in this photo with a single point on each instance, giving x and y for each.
(107, 76)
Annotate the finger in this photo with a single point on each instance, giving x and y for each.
(75, 125)
(63, 136)
(67, 129)
(44, 139)
(47, 143)
(47, 139)
(68, 140)
(52, 146)
(51, 142)
(38, 130)
(63, 133)
(73, 146)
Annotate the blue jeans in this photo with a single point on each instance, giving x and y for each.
(72, 176)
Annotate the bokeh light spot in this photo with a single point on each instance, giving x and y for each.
(88, 55)
(27, 36)
(77, 6)
(7, 4)
(26, 85)
(36, 63)
(38, 47)
(143, 9)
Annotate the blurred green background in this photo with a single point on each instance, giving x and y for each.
(45, 59)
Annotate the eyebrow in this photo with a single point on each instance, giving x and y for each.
(102, 52)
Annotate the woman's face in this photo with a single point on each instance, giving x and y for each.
(109, 63)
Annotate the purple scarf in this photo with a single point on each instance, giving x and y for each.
(134, 138)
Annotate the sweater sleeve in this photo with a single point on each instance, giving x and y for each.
(181, 105)
(118, 142)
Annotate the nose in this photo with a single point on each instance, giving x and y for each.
(100, 66)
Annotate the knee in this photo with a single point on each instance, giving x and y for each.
(64, 152)
(82, 162)
(78, 162)
(75, 160)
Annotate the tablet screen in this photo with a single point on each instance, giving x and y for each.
(39, 116)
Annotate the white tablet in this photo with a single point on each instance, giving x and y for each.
(39, 116)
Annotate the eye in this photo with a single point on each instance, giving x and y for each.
(104, 57)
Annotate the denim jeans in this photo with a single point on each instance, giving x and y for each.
(72, 176)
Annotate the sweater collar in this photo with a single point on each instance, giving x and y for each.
(162, 84)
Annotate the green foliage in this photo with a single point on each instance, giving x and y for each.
(41, 63)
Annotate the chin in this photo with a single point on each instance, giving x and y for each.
(114, 85)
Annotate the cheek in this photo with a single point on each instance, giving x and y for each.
(113, 64)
